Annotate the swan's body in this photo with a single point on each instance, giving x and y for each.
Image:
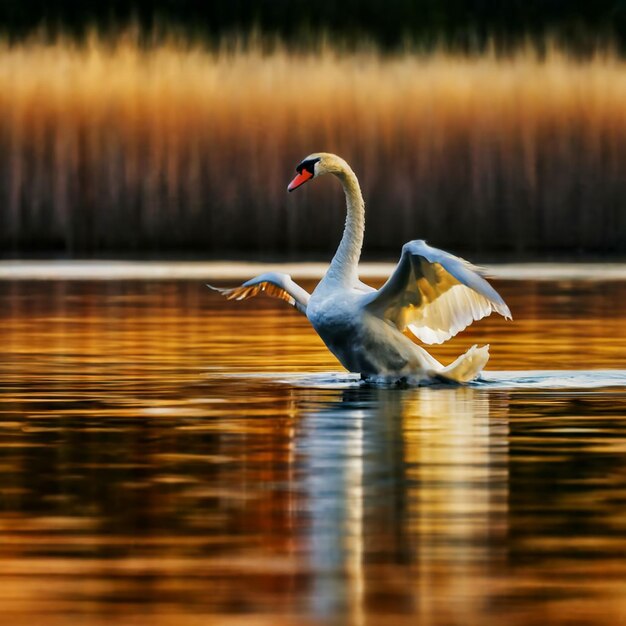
(431, 294)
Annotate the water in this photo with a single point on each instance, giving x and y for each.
(171, 458)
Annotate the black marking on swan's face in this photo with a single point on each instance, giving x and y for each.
(308, 165)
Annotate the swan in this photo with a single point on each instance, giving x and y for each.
(431, 295)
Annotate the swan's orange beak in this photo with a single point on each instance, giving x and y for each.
(299, 180)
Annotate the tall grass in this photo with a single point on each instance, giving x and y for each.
(114, 146)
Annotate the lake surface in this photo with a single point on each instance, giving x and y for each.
(170, 458)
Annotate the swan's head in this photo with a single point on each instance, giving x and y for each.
(315, 165)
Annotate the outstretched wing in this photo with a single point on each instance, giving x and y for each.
(273, 284)
(434, 294)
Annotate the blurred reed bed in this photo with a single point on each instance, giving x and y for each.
(110, 146)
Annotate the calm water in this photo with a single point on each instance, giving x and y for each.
(171, 458)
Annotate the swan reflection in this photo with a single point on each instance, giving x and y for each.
(400, 479)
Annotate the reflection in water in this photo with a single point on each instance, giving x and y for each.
(145, 477)
(411, 479)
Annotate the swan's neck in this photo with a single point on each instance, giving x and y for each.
(344, 266)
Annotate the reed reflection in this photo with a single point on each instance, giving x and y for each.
(401, 484)
(152, 450)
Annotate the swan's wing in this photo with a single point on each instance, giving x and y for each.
(364, 287)
(273, 284)
(434, 294)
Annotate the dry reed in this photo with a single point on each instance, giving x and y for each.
(110, 146)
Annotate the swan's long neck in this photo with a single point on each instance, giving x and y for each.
(344, 266)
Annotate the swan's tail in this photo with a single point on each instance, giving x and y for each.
(467, 367)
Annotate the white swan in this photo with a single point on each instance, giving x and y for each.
(431, 294)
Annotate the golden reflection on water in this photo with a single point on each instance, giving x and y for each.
(148, 476)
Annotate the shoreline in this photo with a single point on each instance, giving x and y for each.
(235, 270)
